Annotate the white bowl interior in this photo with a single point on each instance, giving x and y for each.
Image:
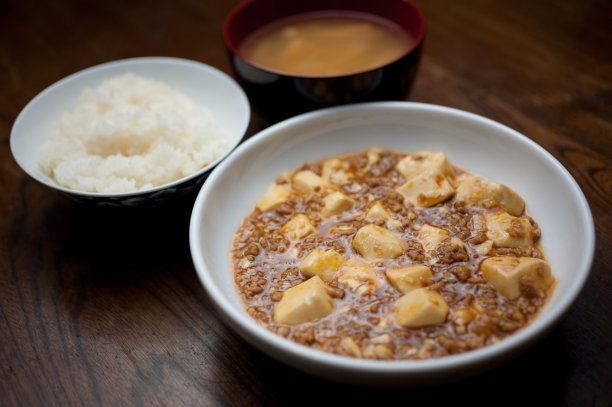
(479, 145)
(205, 85)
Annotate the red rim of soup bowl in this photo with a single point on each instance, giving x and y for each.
(278, 95)
(250, 15)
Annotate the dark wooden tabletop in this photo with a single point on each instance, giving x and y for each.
(103, 306)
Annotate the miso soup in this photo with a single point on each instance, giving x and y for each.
(326, 43)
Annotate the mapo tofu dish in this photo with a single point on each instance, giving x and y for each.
(390, 255)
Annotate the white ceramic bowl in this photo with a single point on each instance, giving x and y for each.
(479, 145)
(205, 85)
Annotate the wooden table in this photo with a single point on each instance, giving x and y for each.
(103, 307)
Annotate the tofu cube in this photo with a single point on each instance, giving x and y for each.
(420, 308)
(359, 277)
(306, 302)
(374, 154)
(426, 189)
(516, 276)
(505, 230)
(321, 263)
(351, 346)
(378, 351)
(483, 192)
(336, 203)
(409, 278)
(298, 227)
(336, 170)
(275, 195)
(466, 314)
(378, 212)
(308, 182)
(374, 242)
(431, 238)
(424, 161)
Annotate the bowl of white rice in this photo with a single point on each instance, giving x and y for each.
(132, 132)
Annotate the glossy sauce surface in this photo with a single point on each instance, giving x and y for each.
(322, 44)
(267, 264)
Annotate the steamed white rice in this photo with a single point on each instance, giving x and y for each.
(131, 133)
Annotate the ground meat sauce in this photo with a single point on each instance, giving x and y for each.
(346, 228)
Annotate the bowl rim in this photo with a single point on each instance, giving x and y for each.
(132, 61)
(233, 47)
(263, 338)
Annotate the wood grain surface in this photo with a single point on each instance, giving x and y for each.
(102, 307)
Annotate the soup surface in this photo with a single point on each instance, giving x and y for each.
(316, 44)
(388, 255)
